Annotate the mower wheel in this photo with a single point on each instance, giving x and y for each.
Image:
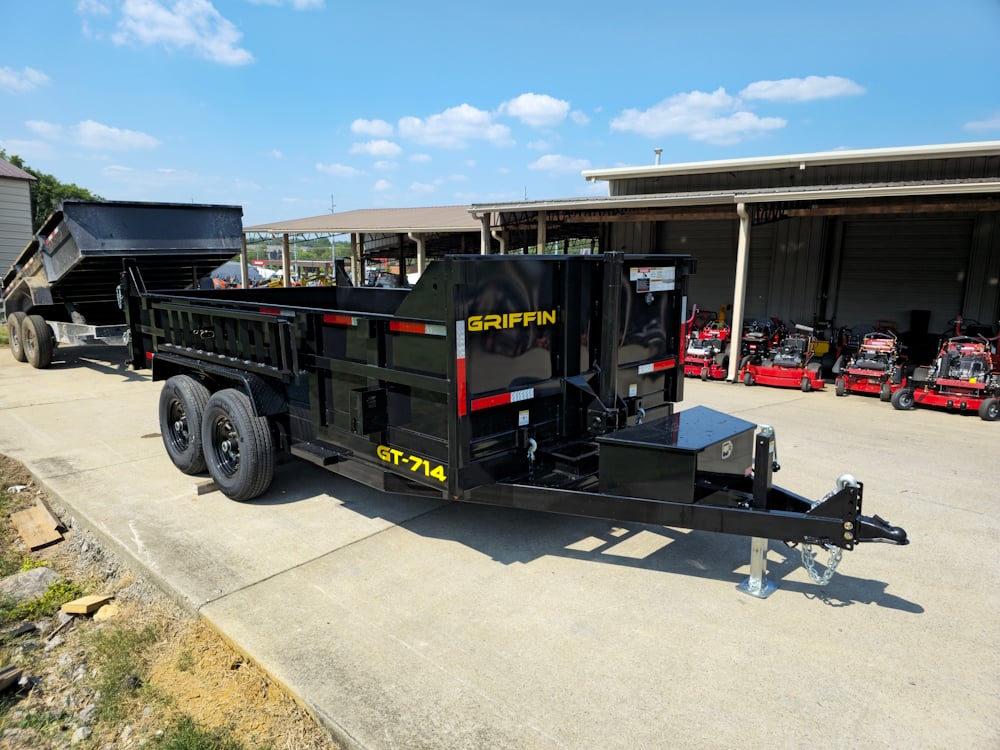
(884, 392)
(902, 399)
(840, 386)
(704, 374)
(806, 385)
(989, 410)
(747, 378)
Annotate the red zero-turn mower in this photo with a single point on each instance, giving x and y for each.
(964, 376)
(707, 354)
(876, 367)
(789, 364)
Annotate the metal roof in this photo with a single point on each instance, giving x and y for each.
(9, 170)
(858, 156)
(757, 195)
(377, 220)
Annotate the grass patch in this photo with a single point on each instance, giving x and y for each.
(120, 656)
(184, 734)
(4, 337)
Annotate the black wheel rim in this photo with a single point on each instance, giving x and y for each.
(180, 432)
(226, 446)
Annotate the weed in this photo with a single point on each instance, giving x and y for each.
(46, 605)
(185, 661)
(4, 338)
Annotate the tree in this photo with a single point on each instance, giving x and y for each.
(47, 192)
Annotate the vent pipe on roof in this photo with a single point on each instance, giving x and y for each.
(658, 152)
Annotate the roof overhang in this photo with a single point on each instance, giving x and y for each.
(435, 220)
(801, 161)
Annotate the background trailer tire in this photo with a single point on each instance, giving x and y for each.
(38, 341)
(14, 323)
(238, 447)
(182, 408)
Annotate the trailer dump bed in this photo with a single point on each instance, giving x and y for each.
(542, 382)
(66, 279)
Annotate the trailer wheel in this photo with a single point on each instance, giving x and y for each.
(182, 407)
(840, 386)
(902, 399)
(15, 321)
(884, 392)
(990, 410)
(238, 446)
(36, 338)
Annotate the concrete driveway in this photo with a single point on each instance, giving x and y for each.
(405, 623)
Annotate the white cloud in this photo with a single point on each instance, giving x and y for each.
(420, 158)
(373, 128)
(455, 127)
(19, 82)
(385, 166)
(380, 148)
(382, 185)
(191, 25)
(45, 129)
(28, 150)
(338, 170)
(536, 110)
(539, 145)
(579, 117)
(296, 4)
(992, 123)
(276, 154)
(802, 89)
(96, 135)
(714, 118)
(558, 164)
(94, 7)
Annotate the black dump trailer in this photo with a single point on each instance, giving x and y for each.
(62, 287)
(538, 382)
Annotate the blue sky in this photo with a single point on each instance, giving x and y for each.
(291, 107)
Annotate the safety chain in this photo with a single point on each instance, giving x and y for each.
(809, 562)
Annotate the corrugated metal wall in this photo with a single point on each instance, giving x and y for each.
(15, 220)
(890, 267)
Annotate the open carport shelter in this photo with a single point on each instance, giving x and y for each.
(909, 237)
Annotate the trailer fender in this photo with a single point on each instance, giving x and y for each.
(267, 398)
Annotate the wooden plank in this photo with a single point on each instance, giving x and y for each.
(35, 525)
(9, 677)
(86, 604)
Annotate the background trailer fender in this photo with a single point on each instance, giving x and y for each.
(538, 382)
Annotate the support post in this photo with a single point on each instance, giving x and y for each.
(286, 261)
(756, 583)
(740, 290)
(244, 271)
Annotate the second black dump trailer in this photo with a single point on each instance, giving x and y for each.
(538, 382)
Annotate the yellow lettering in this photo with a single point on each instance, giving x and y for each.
(497, 321)
(492, 321)
(382, 452)
(474, 323)
(547, 317)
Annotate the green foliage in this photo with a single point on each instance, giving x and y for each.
(120, 654)
(47, 192)
(184, 734)
(46, 605)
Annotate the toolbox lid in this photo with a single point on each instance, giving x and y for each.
(691, 430)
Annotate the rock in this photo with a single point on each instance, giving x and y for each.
(81, 734)
(29, 584)
(88, 713)
(107, 612)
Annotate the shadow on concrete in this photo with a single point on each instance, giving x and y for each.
(511, 536)
(98, 358)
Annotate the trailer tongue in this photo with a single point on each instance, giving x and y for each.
(537, 382)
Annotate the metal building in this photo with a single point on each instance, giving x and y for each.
(15, 212)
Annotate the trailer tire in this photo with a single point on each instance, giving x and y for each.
(902, 399)
(182, 408)
(238, 446)
(37, 341)
(884, 392)
(840, 386)
(15, 321)
(989, 410)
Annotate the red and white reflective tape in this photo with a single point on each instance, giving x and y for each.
(340, 320)
(269, 310)
(512, 397)
(463, 395)
(426, 329)
(663, 364)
